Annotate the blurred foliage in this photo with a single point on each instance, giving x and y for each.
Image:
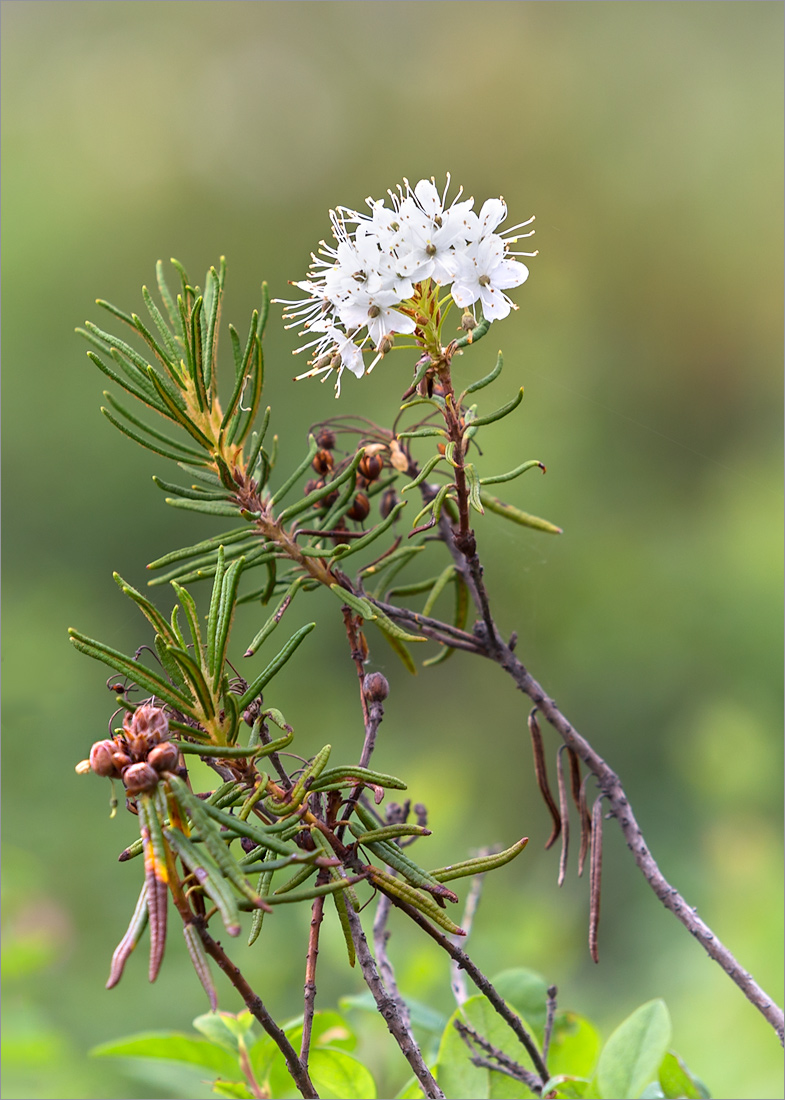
(647, 139)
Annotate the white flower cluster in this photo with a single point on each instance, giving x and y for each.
(378, 279)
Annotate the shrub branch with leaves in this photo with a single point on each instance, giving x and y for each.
(283, 829)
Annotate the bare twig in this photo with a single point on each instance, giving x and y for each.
(550, 1016)
(512, 1019)
(309, 998)
(389, 1009)
(256, 1007)
(381, 935)
(498, 1061)
(457, 979)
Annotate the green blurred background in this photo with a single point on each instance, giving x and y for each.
(647, 139)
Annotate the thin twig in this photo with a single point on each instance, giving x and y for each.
(256, 1007)
(389, 1010)
(619, 805)
(482, 983)
(381, 935)
(457, 979)
(550, 1016)
(501, 1063)
(309, 997)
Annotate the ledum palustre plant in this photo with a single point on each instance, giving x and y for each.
(417, 284)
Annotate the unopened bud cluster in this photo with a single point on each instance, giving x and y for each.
(140, 754)
(370, 469)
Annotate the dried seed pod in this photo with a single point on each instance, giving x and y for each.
(121, 760)
(371, 467)
(375, 687)
(164, 757)
(388, 502)
(140, 777)
(101, 759)
(325, 438)
(360, 508)
(311, 485)
(323, 461)
(145, 727)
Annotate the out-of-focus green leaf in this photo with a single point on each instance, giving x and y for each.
(170, 1046)
(632, 1056)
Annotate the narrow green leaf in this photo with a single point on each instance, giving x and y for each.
(358, 604)
(226, 608)
(146, 443)
(235, 535)
(392, 630)
(402, 652)
(313, 447)
(474, 487)
(480, 864)
(442, 581)
(493, 504)
(476, 334)
(195, 676)
(344, 551)
(274, 666)
(274, 619)
(136, 672)
(184, 492)
(429, 465)
(149, 430)
(423, 433)
(513, 473)
(208, 507)
(500, 413)
(209, 877)
(481, 383)
(349, 474)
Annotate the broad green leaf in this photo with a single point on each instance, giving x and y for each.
(677, 1081)
(653, 1092)
(632, 1056)
(225, 1028)
(421, 1015)
(336, 1075)
(170, 1046)
(459, 1078)
(329, 1029)
(236, 1089)
(575, 1045)
(564, 1087)
(527, 992)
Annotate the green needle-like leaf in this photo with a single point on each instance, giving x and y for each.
(274, 666)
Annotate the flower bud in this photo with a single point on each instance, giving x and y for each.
(323, 461)
(101, 761)
(326, 439)
(360, 508)
(388, 502)
(375, 687)
(370, 467)
(164, 757)
(139, 778)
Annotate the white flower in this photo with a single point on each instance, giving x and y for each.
(381, 276)
(484, 274)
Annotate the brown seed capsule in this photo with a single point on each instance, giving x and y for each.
(371, 467)
(144, 728)
(140, 777)
(121, 761)
(164, 757)
(388, 502)
(323, 461)
(375, 687)
(101, 761)
(326, 439)
(360, 508)
(311, 485)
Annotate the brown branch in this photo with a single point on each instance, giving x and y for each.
(620, 808)
(389, 1010)
(309, 993)
(595, 878)
(481, 982)
(500, 1063)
